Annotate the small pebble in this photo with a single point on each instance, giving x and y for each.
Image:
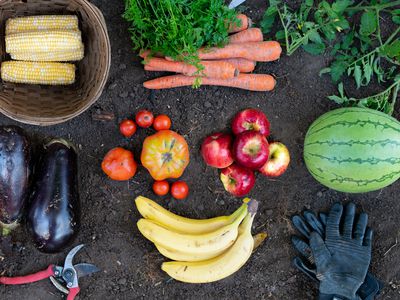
(269, 212)
(122, 66)
(112, 86)
(122, 281)
(319, 194)
(207, 104)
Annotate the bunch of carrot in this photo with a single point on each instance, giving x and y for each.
(228, 66)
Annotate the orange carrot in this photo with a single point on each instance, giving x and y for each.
(242, 64)
(248, 35)
(212, 69)
(148, 68)
(245, 23)
(251, 82)
(258, 51)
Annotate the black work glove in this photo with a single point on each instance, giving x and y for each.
(309, 222)
(341, 260)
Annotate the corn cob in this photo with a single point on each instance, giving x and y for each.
(46, 41)
(49, 56)
(34, 23)
(49, 73)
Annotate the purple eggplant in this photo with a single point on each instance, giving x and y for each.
(15, 172)
(54, 212)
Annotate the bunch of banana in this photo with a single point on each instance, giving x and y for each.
(203, 250)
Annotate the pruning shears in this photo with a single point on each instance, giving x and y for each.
(235, 3)
(63, 278)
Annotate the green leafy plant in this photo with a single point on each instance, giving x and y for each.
(352, 34)
(178, 28)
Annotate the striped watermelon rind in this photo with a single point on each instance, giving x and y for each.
(353, 150)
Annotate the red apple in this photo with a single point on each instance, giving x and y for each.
(250, 149)
(250, 119)
(237, 180)
(216, 150)
(278, 161)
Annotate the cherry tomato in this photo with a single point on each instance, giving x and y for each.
(144, 118)
(119, 164)
(162, 122)
(161, 188)
(127, 128)
(179, 190)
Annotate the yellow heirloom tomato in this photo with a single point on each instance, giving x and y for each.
(165, 154)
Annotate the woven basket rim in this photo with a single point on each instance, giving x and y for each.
(46, 121)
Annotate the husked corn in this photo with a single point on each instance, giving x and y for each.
(50, 73)
(34, 23)
(44, 41)
(72, 55)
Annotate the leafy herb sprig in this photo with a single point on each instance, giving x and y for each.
(178, 28)
(358, 48)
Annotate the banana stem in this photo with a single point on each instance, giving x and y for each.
(252, 207)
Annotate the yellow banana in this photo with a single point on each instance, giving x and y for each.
(185, 256)
(259, 238)
(210, 242)
(152, 211)
(219, 267)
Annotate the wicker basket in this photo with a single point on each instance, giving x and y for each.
(48, 105)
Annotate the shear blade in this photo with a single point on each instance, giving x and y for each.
(70, 256)
(235, 3)
(84, 269)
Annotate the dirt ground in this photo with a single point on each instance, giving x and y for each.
(130, 264)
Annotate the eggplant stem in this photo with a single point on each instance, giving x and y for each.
(5, 231)
(7, 228)
(61, 141)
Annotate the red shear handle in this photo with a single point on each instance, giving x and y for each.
(73, 292)
(29, 278)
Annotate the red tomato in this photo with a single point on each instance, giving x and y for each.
(144, 118)
(127, 128)
(119, 164)
(162, 122)
(179, 190)
(161, 188)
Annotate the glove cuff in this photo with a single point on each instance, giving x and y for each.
(335, 297)
(339, 286)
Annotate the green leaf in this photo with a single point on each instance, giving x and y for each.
(357, 75)
(274, 2)
(280, 35)
(329, 33)
(337, 70)
(392, 50)
(269, 19)
(368, 23)
(341, 89)
(395, 12)
(315, 37)
(308, 25)
(396, 19)
(337, 99)
(309, 3)
(314, 48)
(340, 5)
(324, 71)
(335, 49)
(367, 74)
(347, 40)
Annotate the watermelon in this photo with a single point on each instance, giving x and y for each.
(353, 150)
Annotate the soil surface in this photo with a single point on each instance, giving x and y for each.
(130, 264)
